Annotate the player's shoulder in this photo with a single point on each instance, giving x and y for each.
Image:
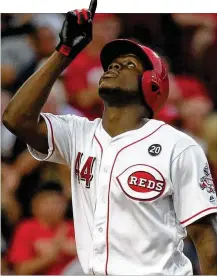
(84, 124)
(175, 136)
(73, 120)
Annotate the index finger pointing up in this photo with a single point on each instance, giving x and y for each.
(92, 7)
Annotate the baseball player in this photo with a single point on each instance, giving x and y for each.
(138, 184)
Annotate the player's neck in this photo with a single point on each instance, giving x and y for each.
(118, 120)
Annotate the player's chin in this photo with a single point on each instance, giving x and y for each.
(108, 83)
(108, 88)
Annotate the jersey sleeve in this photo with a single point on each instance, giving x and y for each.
(62, 131)
(194, 194)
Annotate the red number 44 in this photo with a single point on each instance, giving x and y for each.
(84, 174)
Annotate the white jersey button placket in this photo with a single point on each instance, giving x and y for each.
(100, 216)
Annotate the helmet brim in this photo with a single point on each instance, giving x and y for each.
(120, 47)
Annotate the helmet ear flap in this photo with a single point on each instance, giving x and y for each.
(150, 86)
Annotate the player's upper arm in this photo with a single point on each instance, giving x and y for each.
(52, 140)
(34, 134)
(193, 190)
(203, 230)
(63, 134)
(204, 236)
(41, 141)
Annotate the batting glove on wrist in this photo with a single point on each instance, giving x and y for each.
(76, 32)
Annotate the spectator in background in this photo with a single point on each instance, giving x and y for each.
(22, 24)
(200, 28)
(188, 102)
(44, 244)
(5, 270)
(21, 173)
(15, 24)
(20, 55)
(193, 111)
(194, 106)
(57, 101)
(53, 21)
(10, 207)
(199, 47)
(147, 28)
(7, 138)
(82, 76)
(170, 112)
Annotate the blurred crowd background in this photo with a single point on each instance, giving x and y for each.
(37, 234)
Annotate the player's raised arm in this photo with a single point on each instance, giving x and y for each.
(22, 113)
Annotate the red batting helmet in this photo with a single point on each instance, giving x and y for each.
(154, 82)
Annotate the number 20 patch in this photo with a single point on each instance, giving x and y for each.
(154, 149)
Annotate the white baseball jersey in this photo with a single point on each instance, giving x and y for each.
(132, 194)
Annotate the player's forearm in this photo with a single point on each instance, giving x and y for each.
(208, 258)
(27, 103)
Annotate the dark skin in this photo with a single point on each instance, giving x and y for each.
(21, 115)
(203, 233)
(124, 111)
(119, 88)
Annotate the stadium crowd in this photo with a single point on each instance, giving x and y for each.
(37, 234)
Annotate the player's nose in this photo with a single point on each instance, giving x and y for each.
(115, 66)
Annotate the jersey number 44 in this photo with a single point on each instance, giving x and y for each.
(84, 174)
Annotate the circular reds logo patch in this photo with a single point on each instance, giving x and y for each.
(142, 182)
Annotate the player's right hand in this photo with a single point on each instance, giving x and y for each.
(76, 31)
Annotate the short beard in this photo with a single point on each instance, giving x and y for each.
(117, 97)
